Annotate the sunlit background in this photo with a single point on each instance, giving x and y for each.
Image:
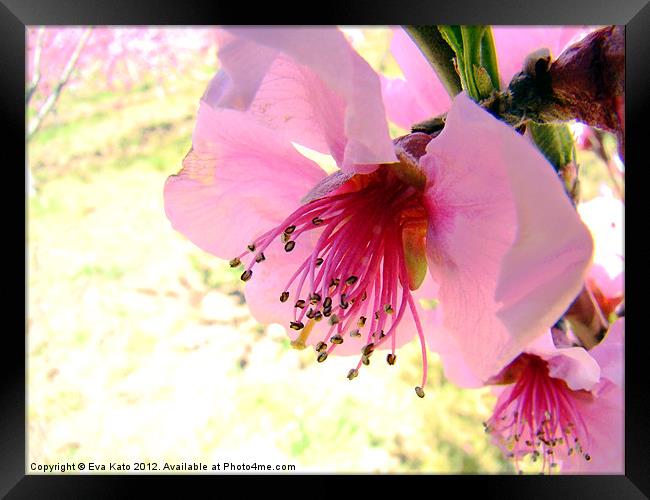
(141, 347)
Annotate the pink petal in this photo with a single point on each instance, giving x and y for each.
(514, 43)
(245, 64)
(294, 101)
(610, 353)
(421, 95)
(401, 104)
(574, 365)
(331, 92)
(604, 417)
(239, 180)
(504, 242)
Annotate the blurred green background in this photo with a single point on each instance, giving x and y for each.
(140, 345)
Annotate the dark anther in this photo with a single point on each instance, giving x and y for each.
(388, 308)
(290, 229)
(355, 333)
(319, 261)
(327, 302)
(362, 321)
(318, 316)
(289, 246)
(344, 304)
(317, 221)
(368, 349)
(327, 312)
(376, 314)
(300, 304)
(284, 296)
(321, 347)
(419, 391)
(364, 296)
(251, 247)
(235, 262)
(310, 313)
(353, 374)
(321, 357)
(246, 275)
(587, 457)
(260, 257)
(284, 237)
(351, 280)
(620, 310)
(334, 319)
(365, 360)
(390, 359)
(336, 339)
(296, 325)
(314, 298)
(335, 282)
(381, 335)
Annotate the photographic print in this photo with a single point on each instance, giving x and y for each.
(337, 249)
(332, 249)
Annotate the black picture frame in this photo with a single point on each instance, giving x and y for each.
(16, 15)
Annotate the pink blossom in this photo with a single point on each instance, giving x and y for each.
(342, 259)
(421, 95)
(604, 218)
(563, 407)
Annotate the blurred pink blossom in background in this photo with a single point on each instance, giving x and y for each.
(120, 56)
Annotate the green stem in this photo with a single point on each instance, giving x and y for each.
(439, 55)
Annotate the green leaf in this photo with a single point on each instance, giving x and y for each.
(555, 141)
(472, 36)
(489, 57)
(483, 81)
(475, 58)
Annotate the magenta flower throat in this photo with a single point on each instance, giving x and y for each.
(366, 238)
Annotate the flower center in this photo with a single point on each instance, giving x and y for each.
(367, 252)
(538, 415)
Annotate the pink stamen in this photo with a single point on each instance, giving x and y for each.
(538, 416)
(356, 266)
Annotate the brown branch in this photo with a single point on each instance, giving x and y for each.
(585, 83)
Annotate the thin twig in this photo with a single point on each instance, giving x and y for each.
(36, 74)
(47, 106)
